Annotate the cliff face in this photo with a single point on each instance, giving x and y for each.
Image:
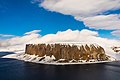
(67, 52)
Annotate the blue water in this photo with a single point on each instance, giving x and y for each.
(11, 69)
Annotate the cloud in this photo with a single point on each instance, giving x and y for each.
(35, 1)
(32, 32)
(91, 12)
(18, 42)
(116, 33)
(106, 22)
(75, 36)
(81, 7)
(6, 35)
(66, 36)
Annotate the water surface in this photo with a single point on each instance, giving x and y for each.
(11, 69)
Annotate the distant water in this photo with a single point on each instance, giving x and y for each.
(5, 53)
(11, 69)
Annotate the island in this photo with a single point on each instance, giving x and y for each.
(65, 53)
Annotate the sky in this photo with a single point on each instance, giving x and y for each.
(43, 21)
(20, 16)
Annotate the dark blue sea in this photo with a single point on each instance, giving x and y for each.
(11, 69)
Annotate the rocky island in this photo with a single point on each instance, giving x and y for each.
(65, 53)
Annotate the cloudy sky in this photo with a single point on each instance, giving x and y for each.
(23, 21)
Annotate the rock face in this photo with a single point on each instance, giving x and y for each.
(116, 49)
(68, 52)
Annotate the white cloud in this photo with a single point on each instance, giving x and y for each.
(6, 35)
(35, 1)
(107, 22)
(66, 36)
(75, 36)
(32, 32)
(18, 42)
(81, 7)
(116, 33)
(91, 12)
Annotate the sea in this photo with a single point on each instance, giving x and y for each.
(12, 69)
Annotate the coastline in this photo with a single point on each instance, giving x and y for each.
(35, 59)
(78, 63)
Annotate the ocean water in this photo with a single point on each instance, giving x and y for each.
(11, 69)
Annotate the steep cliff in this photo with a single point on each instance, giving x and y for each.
(68, 52)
